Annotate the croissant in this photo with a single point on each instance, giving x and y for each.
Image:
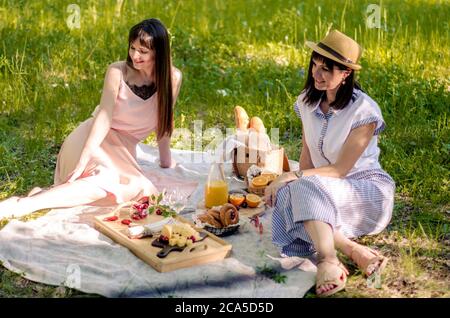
(229, 215)
(207, 218)
(226, 216)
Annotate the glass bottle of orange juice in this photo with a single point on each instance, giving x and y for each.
(216, 189)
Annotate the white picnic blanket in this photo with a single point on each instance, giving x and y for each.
(63, 248)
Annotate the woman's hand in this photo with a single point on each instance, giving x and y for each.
(270, 195)
(81, 166)
(172, 164)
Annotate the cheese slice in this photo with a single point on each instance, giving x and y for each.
(167, 231)
(180, 234)
(181, 241)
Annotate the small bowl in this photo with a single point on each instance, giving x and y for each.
(225, 231)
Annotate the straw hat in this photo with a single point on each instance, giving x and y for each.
(340, 48)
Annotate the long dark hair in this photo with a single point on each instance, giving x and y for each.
(153, 35)
(345, 91)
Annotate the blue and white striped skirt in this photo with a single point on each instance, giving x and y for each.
(360, 204)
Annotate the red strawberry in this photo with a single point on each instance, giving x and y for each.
(158, 212)
(126, 222)
(111, 218)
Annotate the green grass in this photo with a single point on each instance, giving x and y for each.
(51, 79)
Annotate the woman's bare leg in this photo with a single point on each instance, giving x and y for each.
(321, 234)
(343, 244)
(65, 195)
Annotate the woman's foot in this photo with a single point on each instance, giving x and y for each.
(8, 206)
(14, 207)
(331, 277)
(367, 259)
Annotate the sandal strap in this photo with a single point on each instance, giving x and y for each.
(337, 262)
(332, 276)
(363, 263)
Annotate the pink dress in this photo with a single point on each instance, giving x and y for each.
(113, 167)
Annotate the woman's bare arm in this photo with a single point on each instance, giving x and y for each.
(352, 149)
(102, 120)
(357, 141)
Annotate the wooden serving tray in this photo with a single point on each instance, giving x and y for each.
(211, 249)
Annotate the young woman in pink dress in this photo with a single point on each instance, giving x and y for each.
(97, 162)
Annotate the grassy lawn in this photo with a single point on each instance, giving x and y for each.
(247, 53)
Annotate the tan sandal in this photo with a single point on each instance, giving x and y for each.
(358, 256)
(331, 273)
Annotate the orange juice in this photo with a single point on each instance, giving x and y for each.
(216, 193)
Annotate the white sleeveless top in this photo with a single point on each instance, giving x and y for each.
(326, 133)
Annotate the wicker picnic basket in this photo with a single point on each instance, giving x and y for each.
(274, 160)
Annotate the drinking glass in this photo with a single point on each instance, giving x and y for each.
(178, 200)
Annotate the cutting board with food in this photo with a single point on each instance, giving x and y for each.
(166, 244)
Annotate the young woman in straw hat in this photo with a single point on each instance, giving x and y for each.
(340, 191)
